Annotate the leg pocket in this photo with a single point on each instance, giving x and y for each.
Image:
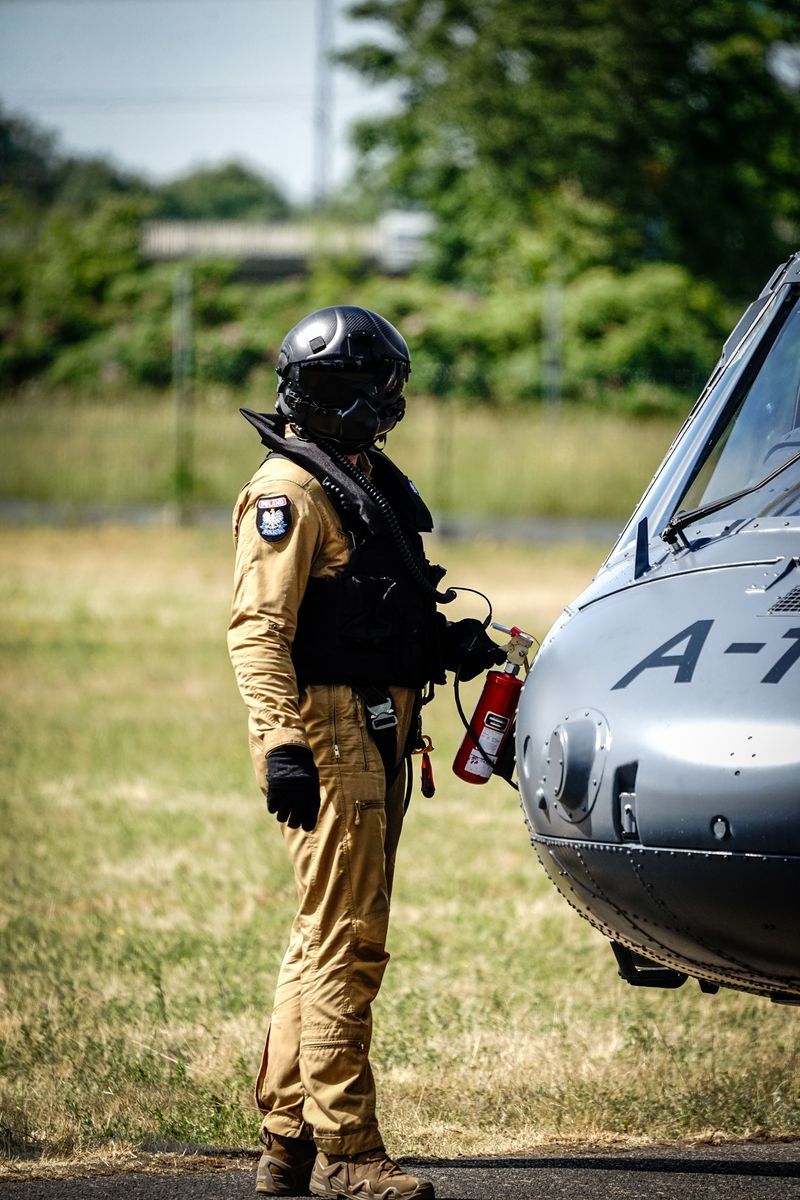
(356, 750)
(366, 853)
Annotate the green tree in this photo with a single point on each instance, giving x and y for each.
(84, 183)
(34, 174)
(62, 283)
(29, 163)
(672, 115)
(229, 191)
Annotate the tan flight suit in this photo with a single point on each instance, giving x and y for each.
(315, 1078)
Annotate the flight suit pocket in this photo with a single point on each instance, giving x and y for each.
(366, 806)
(366, 852)
(354, 751)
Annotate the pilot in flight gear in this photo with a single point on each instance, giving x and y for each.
(334, 635)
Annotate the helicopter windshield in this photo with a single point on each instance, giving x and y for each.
(758, 433)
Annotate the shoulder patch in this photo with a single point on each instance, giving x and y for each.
(273, 517)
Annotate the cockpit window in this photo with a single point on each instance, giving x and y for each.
(762, 428)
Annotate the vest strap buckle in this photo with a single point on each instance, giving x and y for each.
(382, 715)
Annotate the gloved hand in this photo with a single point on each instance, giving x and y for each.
(293, 786)
(467, 645)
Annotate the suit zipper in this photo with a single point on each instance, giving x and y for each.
(334, 1042)
(362, 725)
(364, 805)
(336, 753)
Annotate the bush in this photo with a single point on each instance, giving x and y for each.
(228, 354)
(656, 327)
(82, 307)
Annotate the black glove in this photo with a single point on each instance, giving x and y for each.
(293, 786)
(468, 646)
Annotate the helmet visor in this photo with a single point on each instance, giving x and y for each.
(334, 383)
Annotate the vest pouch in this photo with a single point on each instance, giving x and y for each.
(369, 610)
(366, 629)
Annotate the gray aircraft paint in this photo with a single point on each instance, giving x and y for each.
(658, 735)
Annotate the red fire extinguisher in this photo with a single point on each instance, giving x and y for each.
(494, 713)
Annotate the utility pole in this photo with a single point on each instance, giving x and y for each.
(323, 103)
(184, 398)
(552, 341)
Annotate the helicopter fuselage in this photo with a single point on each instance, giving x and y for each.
(658, 735)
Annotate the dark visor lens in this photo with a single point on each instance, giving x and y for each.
(331, 384)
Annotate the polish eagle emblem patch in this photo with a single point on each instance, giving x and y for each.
(273, 517)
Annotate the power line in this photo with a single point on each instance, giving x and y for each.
(323, 102)
(69, 99)
(160, 3)
(99, 100)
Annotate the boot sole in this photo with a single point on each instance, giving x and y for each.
(293, 1191)
(294, 1187)
(421, 1193)
(300, 1190)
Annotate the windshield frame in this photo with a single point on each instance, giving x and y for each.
(682, 517)
(707, 421)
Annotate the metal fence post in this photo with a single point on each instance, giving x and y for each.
(184, 398)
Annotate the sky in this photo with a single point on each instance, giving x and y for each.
(165, 85)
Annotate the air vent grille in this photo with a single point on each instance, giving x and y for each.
(788, 603)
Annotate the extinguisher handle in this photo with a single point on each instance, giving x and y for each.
(519, 645)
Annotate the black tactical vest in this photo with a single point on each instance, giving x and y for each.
(373, 623)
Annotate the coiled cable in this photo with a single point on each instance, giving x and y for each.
(409, 558)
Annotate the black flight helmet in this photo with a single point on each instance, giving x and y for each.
(342, 372)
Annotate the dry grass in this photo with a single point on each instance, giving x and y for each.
(113, 1160)
(72, 449)
(146, 899)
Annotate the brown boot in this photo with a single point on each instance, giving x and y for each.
(371, 1175)
(285, 1166)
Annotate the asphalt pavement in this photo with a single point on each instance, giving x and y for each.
(751, 1171)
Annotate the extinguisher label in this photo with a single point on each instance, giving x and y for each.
(491, 737)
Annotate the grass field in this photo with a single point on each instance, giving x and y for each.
(146, 899)
(479, 460)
